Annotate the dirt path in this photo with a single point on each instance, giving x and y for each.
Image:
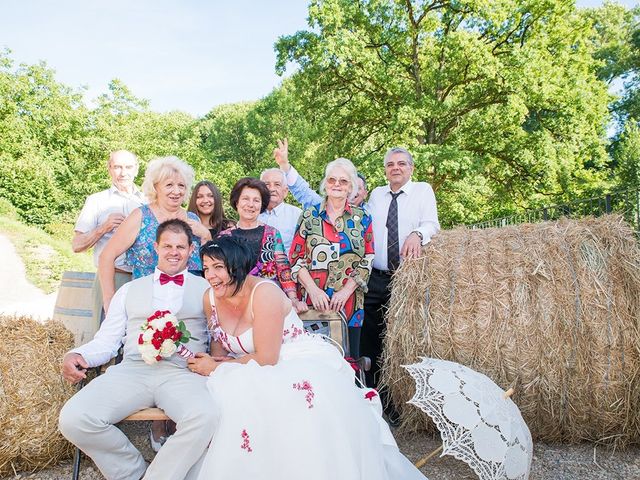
(17, 295)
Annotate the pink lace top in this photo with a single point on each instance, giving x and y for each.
(243, 343)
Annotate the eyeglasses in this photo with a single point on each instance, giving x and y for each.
(343, 182)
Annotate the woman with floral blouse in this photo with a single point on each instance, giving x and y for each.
(250, 197)
(332, 250)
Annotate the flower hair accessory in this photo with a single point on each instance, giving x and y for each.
(162, 336)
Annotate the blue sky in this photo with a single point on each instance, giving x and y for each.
(188, 55)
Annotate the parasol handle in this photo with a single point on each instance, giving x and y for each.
(508, 393)
(420, 463)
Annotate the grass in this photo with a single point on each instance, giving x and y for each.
(45, 256)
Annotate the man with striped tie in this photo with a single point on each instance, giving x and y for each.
(404, 217)
(88, 419)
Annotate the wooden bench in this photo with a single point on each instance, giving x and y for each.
(152, 413)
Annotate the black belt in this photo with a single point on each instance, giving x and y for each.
(384, 273)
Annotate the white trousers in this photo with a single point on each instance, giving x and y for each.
(88, 419)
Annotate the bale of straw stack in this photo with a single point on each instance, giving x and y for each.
(32, 393)
(551, 309)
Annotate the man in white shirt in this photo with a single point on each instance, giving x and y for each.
(102, 213)
(404, 216)
(88, 419)
(279, 214)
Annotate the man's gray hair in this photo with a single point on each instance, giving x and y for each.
(274, 170)
(346, 165)
(122, 153)
(400, 150)
(160, 169)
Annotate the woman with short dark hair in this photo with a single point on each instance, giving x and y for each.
(280, 392)
(250, 197)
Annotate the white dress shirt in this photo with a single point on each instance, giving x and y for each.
(108, 339)
(417, 212)
(285, 218)
(98, 207)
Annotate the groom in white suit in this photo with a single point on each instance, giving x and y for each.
(87, 419)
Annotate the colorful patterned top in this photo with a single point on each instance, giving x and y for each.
(141, 255)
(272, 262)
(334, 253)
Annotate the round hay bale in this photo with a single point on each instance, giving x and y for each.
(32, 392)
(551, 309)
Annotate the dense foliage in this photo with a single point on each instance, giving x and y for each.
(505, 104)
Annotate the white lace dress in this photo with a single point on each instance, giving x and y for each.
(303, 418)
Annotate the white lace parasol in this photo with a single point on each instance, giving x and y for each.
(478, 424)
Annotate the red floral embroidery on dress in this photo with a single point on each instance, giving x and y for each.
(370, 395)
(306, 386)
(245, 441)
(217, 333)
(292, 332)
(295, 331)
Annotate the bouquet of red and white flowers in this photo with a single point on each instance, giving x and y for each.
(162, 336)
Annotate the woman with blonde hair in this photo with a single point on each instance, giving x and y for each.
(167, 181)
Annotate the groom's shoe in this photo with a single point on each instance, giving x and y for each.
(156, 444)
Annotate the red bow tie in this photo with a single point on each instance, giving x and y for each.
(178, 279)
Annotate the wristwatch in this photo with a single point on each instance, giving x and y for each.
(419, 234)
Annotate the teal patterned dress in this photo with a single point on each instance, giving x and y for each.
(141, 255)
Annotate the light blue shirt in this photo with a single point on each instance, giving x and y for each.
(301, 191)
(285, 219)
(306, 195)
(108, 339)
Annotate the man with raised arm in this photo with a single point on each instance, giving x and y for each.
(102, 213)
(280, 215)
(88, 419)
(300, 188)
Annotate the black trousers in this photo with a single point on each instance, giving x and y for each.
(374, 327)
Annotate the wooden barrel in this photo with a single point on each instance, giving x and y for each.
(74, 305)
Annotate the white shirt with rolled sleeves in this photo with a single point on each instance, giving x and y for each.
(417, 212)
(108, 339)
(98, 207)
(285, 218)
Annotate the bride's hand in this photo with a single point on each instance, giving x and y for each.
(202, 364)
(299, 306)
(223, 358)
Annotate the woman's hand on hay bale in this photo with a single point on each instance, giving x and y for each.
(74, 367)
(412, 246)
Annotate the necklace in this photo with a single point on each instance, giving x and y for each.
(247, 227)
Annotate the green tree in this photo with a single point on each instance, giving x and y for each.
(616, 44)
(627, 156)
(246, 133)
(499, 100)
(40, 122)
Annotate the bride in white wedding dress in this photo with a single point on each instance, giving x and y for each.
(287, 400)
